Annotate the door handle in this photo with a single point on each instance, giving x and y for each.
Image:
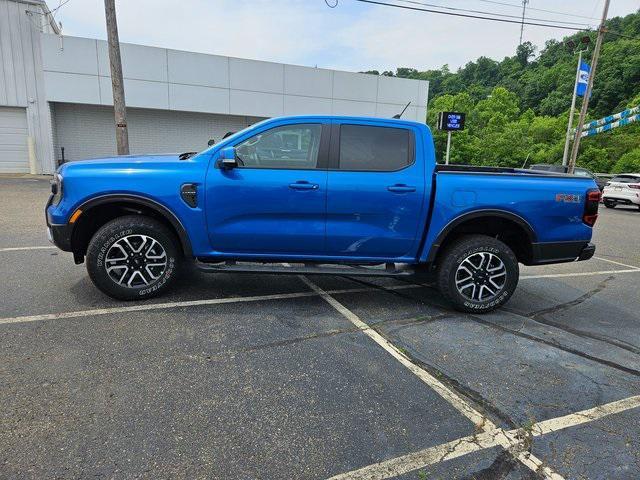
(399, 188)
(303, 185)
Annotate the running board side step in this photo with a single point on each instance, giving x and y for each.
(389, 270)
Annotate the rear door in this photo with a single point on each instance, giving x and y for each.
(376, 191)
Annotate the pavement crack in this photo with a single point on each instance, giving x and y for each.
(555, 344)
(500, 469)
(474, 396)
(566, 305)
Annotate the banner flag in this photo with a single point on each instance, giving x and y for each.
(583, 79)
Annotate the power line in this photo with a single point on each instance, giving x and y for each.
(555, 12)
(49, 12)
(482, 12)
(465, 15)
(623, 35)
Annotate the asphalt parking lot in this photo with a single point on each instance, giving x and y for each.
(254, 376)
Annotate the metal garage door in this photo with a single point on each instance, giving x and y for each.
(87, 131)
(14, 153)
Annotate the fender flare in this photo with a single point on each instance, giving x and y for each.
(160, 209)
(517, 219)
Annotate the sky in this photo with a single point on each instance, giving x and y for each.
(353, 36)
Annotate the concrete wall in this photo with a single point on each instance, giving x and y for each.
(86, 131)
(76, 70)
(21, 75)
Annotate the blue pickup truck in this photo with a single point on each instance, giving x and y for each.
(324, 195)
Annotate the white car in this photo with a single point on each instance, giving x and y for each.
(623, 189)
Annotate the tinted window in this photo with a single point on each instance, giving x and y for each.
(581, 172)
(625, 179)
(290, 146)
(379, 149)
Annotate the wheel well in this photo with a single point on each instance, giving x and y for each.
(95, 217)
(512, 233)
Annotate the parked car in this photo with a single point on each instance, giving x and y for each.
(623, 189)
(581, 172)
(321, 194)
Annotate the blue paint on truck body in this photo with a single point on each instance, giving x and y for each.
(325, 213)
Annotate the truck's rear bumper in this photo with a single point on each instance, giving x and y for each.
(559, 252)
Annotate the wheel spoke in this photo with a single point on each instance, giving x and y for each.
(116, 262)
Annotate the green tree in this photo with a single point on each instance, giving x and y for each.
(628, 163)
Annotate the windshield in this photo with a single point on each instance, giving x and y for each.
(230, 140)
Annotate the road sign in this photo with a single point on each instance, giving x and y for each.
(451, 121)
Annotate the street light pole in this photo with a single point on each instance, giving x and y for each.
(567, 140)
(587, 94)
(117, 84)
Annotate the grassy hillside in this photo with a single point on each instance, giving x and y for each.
(518, 107)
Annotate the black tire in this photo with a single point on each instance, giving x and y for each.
(609, 204)
(477, 249)
(137, 231)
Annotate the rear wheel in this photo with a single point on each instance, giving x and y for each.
(609, 204)
(477, 273)
(132, 258)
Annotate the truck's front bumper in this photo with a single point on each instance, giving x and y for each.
(560, 252)
(59, 235)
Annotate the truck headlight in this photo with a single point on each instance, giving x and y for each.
(56, 189)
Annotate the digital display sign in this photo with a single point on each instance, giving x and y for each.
(451, 121)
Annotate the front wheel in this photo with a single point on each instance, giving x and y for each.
(477, 273)
(133, 258)
(609, 204)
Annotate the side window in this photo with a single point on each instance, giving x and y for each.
(376, 149)
(289, 146)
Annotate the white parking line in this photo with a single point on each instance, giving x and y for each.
(483, 441)
(214, 301)
(617, 263)
(484, 424)
(579, 274)
(20, 249)
(189, 303)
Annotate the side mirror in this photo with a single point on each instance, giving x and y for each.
(228, 157)
(211, 142)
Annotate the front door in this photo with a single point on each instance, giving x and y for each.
(274, 202)
(376, 200)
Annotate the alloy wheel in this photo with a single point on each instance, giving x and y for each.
(481, 276)
(136, 261)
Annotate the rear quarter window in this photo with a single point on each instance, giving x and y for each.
(374, 149)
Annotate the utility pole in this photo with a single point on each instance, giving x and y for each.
(119, 107)
(567, 140)
(587, 94)
(524, 9)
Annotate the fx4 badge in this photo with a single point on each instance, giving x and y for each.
(567, 198)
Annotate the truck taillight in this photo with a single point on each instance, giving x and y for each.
(591, 207)
(635, 186)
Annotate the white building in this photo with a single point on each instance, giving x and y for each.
(55, 94)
